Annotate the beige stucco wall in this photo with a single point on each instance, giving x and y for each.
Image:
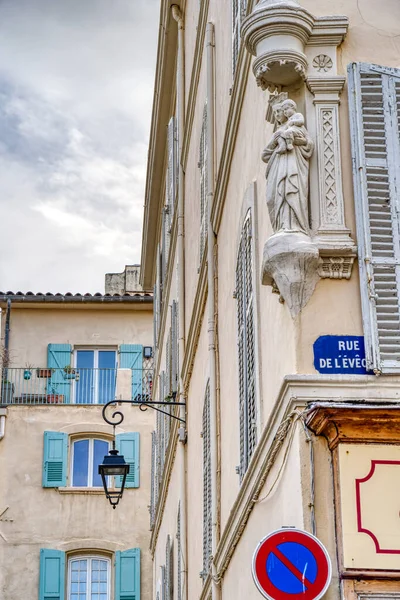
(49, 518)
(32, 329)
(45, 517)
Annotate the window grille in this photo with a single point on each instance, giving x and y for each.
(246, 346)
(239, 9)
(374, 100)
(207, 502)
(163, 584)
(203, 183)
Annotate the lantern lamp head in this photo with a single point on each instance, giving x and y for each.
(114, 466)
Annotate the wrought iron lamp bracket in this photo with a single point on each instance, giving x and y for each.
(118, 417)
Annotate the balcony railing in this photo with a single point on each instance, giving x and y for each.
(41, 385)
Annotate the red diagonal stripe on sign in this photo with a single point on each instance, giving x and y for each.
(294, 570)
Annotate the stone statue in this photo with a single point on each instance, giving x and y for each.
(287, 156)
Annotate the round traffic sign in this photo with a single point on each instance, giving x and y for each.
(290, 564)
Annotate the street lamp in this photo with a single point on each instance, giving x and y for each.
(113, 466)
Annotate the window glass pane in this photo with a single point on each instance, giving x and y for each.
(99, 580)
(107, 359)
(78, 582)
(106, 375)
(85, 359)
(84, 387)
(99, 451)
(80, 467)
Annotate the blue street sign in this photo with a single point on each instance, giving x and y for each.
(340, 354)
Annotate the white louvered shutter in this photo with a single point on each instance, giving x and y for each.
(239, 9)
(153, 495)
(179, 553)
(169, 569)
(163, 584)
(167, 390)
(207, 503)
(172, 171)
(203, 183)
(174, 347)
(246, 346)
(164, 244)
(374, 98)
(158, 456)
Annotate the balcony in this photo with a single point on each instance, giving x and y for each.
(41, 385)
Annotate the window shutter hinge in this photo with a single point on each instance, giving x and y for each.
(234, 295)
(237, 469)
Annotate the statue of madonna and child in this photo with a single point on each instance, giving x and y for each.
(290, 260)
(287, 156)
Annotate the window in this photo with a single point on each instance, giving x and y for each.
(96, 371)
(374, 100)
(87, 455)
(207, 503)
(89, 578)
(203, 183)
(246, 346)
(239, 8)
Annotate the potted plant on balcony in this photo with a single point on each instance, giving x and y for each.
(55, 398)
(69, 372)
(44, 373)
(28, 372)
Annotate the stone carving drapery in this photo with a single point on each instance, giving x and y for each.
(287, 156)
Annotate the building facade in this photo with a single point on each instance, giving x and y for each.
(63, 357)
(271, 238)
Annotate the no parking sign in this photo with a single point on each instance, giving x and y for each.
(290, 564)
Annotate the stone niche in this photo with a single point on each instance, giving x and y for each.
(296, 56)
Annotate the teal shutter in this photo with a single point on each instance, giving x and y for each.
(52, 575)
(128, 445)
(127, 575)
(58, 357)
(131, 357)
(55, 459)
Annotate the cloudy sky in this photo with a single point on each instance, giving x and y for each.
(76, 86)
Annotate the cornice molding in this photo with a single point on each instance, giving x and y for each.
(356, 422)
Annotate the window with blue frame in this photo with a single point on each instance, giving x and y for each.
(95, 378)
(87, 455)
(89, 578)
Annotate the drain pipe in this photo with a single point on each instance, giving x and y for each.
(3, 415)
(177, 15)
(6, 356)
(216, 590)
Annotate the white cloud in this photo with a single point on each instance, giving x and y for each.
(76, 84)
